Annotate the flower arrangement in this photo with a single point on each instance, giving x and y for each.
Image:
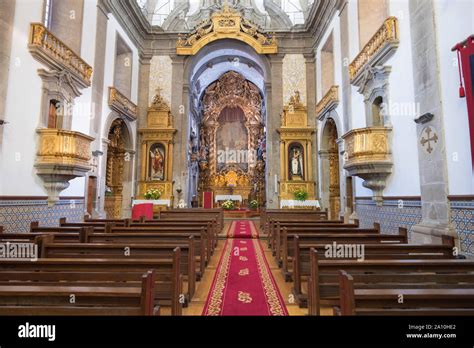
(228, 205)
(108, 191)
(253, 204)
(300, 195)
(152, 193)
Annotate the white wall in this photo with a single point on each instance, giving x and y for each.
(82, 113)
(455, 22)
(113, 28)
(401, 107)
(403, 111)
(23, 104)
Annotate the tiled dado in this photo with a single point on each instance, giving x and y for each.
(16, 215)
(462, 217)
(406, 213)
(391, 215)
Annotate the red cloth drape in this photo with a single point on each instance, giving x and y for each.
(207, 199)
(144, 209)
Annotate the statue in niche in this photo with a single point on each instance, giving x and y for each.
(157, 162)
(296, 162)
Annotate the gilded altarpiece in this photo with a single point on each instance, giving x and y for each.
(295, 151)
(157, 150)
(114, 172)
(232, 141)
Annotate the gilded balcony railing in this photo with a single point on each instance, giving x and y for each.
(387, 34)
(52, 50)
(331, 98)
(63, 149)
(122, 104)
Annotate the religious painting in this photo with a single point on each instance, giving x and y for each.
(296, 161)
(232, 139)
(156, 163)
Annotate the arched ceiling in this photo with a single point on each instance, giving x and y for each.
(220, 57)
(224, 55)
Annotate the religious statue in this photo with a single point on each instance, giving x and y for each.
(296, 164)
(157, 160)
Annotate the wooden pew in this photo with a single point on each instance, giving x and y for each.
(323, 279)
(155, 238)
(275, 225)
(49, 249)
(301, 266)
(53, 298)
(168, 284)
(416, 301)
(63, 237)
(210, 226)
(297, 247)
(119, 222)
(283, 242)
(194, 213)
(266, 214)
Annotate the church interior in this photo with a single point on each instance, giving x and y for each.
(236, 157)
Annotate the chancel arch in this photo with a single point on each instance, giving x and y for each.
(221, 63)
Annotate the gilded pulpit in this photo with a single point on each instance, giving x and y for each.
(157, 152)
(296, 173)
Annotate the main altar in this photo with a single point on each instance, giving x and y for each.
(232, 150)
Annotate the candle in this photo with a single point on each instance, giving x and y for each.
(276, 183)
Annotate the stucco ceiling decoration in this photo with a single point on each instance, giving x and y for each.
(227, 24)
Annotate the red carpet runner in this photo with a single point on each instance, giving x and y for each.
(243, 283)
(242, 229)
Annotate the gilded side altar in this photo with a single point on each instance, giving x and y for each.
(296, 173)
(157, 141)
